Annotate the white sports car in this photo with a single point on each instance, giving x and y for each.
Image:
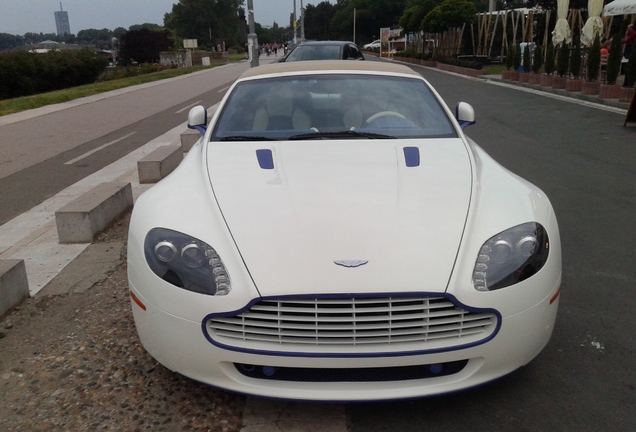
(334, 235)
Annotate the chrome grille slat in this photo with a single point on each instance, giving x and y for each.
(353, 321)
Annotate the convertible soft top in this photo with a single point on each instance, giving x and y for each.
(328, 65)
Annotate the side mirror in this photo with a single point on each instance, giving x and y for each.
(465, 114)
(198, 119)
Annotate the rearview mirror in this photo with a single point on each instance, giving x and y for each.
(465, 114)
(198, 119)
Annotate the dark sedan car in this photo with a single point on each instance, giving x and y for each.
(324, 50)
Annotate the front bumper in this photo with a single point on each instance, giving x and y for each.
(180, 345)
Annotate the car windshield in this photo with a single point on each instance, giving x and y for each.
(331, 106)
(314, 52)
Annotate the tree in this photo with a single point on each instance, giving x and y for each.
(575, 61)
(318, 21)
(371, 16)
(630, 73)
(564, 60)
(526, 58)
(594, 59)
(510, 57)
(449, 14)
(549, 59)
(537, 61)
(516, 62)
(208, 21)
(9, 41)
(411, 20)
(614, 59)
(143, 46)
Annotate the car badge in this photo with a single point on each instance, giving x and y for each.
(351, 263)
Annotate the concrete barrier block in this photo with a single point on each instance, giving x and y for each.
(159, 163)
(88, 215)
(14, 286)
(188, 139)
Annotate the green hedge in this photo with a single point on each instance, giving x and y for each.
(410, 53)
(23, 73)
(461, 63)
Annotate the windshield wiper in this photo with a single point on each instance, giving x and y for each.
(340, 134)
(246, 138)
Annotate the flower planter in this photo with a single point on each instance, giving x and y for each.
(609, 91)
(590, 87)
(524, 76)
(573, 85)
(535, 79)
(546, 80)
(514, 76)
(558, 82)
(626, 94)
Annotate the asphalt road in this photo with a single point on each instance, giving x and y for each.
(582, 157)
(41, 156)
(585, 379)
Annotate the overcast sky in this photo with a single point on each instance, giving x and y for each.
(18, 17)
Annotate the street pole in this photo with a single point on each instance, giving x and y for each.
(354, 25)
(302, 21)
(252, 39)
(295, 38)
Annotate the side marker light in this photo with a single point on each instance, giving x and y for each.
(136, 300)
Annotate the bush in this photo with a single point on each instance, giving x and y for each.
(517, 58)
(461, 63)
(510, 58)
(549, 59)
(23, 73)
(131, 71)
(564, 60)
(526, 59)
(614, 59)
(594, 59)
(575, 61)
(630, 74)
(537, 61)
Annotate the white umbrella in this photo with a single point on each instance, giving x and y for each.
(620, 7)
(562, 32)
(594, 24)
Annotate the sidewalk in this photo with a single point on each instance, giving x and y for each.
(573, 95)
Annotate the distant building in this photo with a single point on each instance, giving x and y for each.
(61, 22)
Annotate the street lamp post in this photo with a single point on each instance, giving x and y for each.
(295, 38)
(252, 38)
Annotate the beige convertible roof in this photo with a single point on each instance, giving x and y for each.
(329, 65)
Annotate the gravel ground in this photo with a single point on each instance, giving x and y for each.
(74, 362)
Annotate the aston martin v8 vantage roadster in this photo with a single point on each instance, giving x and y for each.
(334, 235)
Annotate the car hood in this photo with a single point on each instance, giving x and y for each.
(344, 216)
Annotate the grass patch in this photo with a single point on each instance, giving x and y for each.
(10, 106)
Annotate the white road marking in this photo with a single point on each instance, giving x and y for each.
(87, 154)
(189, 106)
(223, 89)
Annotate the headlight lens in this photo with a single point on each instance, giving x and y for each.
(186, 262)
(511, 257)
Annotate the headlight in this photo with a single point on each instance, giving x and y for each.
(511, 256)
(186, 262)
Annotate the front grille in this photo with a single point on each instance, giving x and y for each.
(378, 374)
(407, 323)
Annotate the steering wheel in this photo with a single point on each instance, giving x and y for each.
(384, 114)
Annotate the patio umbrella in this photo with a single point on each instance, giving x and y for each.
(620, 7)
(594, 24)
(562, 32)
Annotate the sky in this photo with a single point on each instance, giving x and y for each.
(18, 17)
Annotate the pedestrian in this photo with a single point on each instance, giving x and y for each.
(247, 51)
(628, 40)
